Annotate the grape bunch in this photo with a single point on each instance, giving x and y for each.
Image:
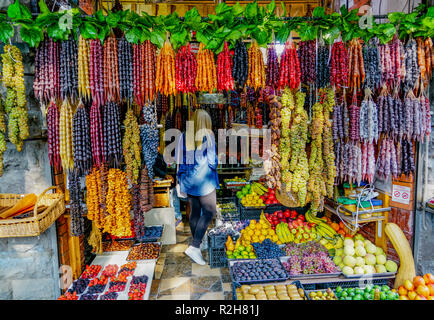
(267, 249)
(15, 104)
(112, 135)
(131, 146)
(150, 138)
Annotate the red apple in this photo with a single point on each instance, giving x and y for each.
(301, 217)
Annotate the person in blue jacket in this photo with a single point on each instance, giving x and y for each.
(197, 176)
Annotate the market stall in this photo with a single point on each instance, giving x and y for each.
(317, 120)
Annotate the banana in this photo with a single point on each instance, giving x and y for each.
(320, 232)
(330, 230)
(286, 232)
(325, 231)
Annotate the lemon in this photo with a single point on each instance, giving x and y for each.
(264, 232)
(259, 225)
(278, 242)
(251, 232)
(247, 237)
(275, 238)
(261, 238)
(255, 239)
(253, 221)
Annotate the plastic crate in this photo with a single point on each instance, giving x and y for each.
(233, 215)
(218, 241)
(236, 285)
(217, 258)
(351, 284)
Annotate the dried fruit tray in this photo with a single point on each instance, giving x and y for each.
(309, 276)
(371, 275)
(299, 285)
(153, 239)
(144, 244)
(124, 245)
(232, 262)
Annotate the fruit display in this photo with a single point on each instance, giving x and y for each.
(68, 296)
(258, 270)
(257, 231)
(110, 270)
(375, 292)
(123, 245)
(269, 197)
(91, 272)
(322, 295)
(227, 211)
(97, 285)
(270, 292)
(153, 232)
(109, 296)
(79, 286)
(118, 284)
(360, 256)
(267, 249)
(249, 195)
(128, 268)
(137, 287)
(88, 296)
(418, 288)
(308, 258)
(235, 182)
(144, 251)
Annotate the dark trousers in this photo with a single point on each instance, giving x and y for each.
(200, 222)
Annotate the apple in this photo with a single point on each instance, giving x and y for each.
(301, 217)
(287, 213)
(418, 281)
(412, 295)
(408, 285)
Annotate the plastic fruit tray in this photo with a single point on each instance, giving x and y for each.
(153, 239)
(299, 285)
(241, 261)
(144, 244)
(371, 275)
(309, 276)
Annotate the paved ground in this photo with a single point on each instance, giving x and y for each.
(177, 277)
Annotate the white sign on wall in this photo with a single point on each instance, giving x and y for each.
(401, 194)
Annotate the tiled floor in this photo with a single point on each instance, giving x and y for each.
(176, 277)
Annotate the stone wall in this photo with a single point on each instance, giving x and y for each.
(29, 265)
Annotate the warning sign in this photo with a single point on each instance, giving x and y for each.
(401, 194)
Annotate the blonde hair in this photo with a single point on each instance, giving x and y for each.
(201, 123)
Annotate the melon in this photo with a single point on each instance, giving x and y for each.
(347, 270)
(381, 259)
(370, 259)
(348, 242)
(349, 251)
(349, 261)
(360, 251)
(360, 262)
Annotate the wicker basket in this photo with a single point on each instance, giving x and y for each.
(32, 226)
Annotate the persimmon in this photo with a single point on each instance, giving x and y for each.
(423, 290)
(417, 281)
